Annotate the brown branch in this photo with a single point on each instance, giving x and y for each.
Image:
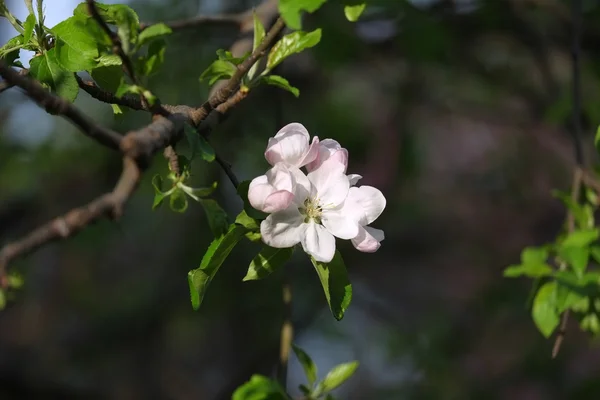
(5, 85)
(138, 148)
(229, 19)
(58, 106)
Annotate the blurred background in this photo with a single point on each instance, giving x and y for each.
(458, 110)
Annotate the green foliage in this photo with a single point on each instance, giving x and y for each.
(154, 59)
(217, 217)
(28, 27)
(291, 10)
(281, 82)
(200, 278)
(290, 44)
(267, 261)
(260, 388)
(353, 13)
(259, 34)
(48, 70)
(337, 287)
(10, 51)
(310, 368)
(544, 311)
(153, 32)
(75, 49)
(334, 378)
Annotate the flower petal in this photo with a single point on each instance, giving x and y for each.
(290, 145)
(329, 148)
(354, 178)
(368, 239)
(312, 154)
(258, 193)
(340, 224)
(302, 186)
(284, 228)
(318, 242)
(277, 201)
(330, 184)
(370, 199)
(280, 177)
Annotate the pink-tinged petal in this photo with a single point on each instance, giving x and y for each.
(370, 199)
(318, 242)
(340, 224)
(284, 228)
(312, 154)
(341, 156)
(290, 145)
(277, 201)
(354, 178)
(330, 184)
(258, 191)
(327, 148)
(366, 241)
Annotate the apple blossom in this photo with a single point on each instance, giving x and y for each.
(273, 191)
(291, 146)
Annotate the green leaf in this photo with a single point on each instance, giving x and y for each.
(193, 139)
(217, 252)
(206, 150)
(597, 139)
(281, 82)
(544, 310)
(126, 20)
(246, 221)
(217, 217)
(226, 55)
(529, 270)
(76, 50)
(290, 10)
(591, 323)
(259, 34)
(219, 69)
(353, 13)
(159, 195)
(310, 368)
(576, 257)
(108, 78)
(260, 388)
(580, 238)
(290, 44)
(197, 193)
(11, 49)
(338, 375)
(583, 214)
(28, 27)
(337, 287)
(534, 255)
(107, 60)
(178, 201)
(2, 300)
(153, 32)
(242, 191)
(267, 261)
(155, 57)
(595, 253)
(569, 299)
(46, 69)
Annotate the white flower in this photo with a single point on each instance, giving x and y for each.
(316, 215)
(291, 146)
(329, 148)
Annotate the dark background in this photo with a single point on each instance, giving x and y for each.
(459, 111)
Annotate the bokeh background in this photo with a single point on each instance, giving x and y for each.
(458, 110)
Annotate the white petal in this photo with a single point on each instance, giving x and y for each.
(330, 184)
(319, 243)
(339, 224)
(368, 239)
(302, 186)
(328, 148)
(312, 153)
(370, 199)
(280, 177)
(277, 201)
(257, 194)
(284, 228)
(290, 145)
(354, 178)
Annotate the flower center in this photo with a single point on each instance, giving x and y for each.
(311, 210)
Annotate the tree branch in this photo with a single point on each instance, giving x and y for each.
(138, 148)
(58, 106)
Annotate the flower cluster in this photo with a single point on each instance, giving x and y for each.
(314, 208)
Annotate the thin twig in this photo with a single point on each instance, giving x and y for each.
(287, 333)
(58, 106)
(226, 167)
(577, 23)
